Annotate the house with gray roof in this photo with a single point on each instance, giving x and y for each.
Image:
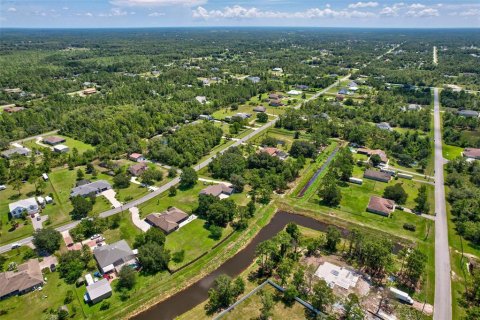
(468, 113)
(95, 188)
(20, 151)
(384, 126)
(29, 206)
(113, 257)
(220, 190)
(98, 291)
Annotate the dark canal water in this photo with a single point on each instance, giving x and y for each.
(198, 292)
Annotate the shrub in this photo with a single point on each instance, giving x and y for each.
(409, 226)
(105, 305)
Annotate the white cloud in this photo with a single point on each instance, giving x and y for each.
(239, 12)
(11, 9)
(89, 14)
(428, 12)
(370, 4)
(65, 8)
(393, 10)
(470, 13)
(156, 14)
(155, 3)
(417, 6)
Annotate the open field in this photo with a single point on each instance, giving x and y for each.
(451, 152)
(70, 142)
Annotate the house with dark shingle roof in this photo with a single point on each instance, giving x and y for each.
(381, 206)
(377, 175)
(114, 256)
(53, 140)
(95, 188)
(468, 113)
(168, 221)
(138, 169)
(218, 190)
(27, 278)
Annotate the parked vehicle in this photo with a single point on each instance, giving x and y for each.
(16, 245)
(3, 187)
(95, 236)
(53, 267)
(402, 296)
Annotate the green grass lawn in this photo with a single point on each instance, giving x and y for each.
(250, 308)
(69, 142)
(126, 231)
(194, 238)
(451, 152)
(38, 304)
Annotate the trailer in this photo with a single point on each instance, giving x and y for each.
(405, 176)
(388, 171)
(402, 296)
(45, 176)
(355, 180)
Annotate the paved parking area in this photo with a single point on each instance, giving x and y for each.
(38, 224)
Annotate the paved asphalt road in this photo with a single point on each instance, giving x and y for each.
(174, 182)
(443, 295)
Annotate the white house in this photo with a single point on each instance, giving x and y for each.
(30, 206)
(294, 92)
(61, 148)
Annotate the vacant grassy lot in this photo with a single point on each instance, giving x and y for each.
(70, 142)
(194, 238)
(451, 152)
(250, 308)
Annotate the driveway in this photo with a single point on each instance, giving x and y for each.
(38, 224)
(47, 261)
(137, 221)
(110, 196)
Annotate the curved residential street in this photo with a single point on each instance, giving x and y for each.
(443, 294)
(165, 187)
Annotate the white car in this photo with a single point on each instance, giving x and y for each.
(95, 236)
(16, 245)
(2, 187)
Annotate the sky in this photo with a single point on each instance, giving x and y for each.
(281, 13)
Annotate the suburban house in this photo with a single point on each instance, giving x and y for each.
(89, 91)
(371, 152)
(30, 206)
(294, 92)
(259, 109)
(95, 187)
(242, 115)
(377, 175)
(302, 87)
(275, 96)
(138, 169)
(220, 190)
(15, 151)
(27, 278)
(254, 79)
(468, 113)
(471, 153)
(205, 117)
(13, 109)
(343, 91)
(137, 157)
(168, 221)
(414, 107)
(201, 99)
(61, 148)
(53, 140)
(275, 103)
(381, 206)
(113, 257)
(274, 152)
(82, 182)
(98, 291)
(277, 69)
(384, 126)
